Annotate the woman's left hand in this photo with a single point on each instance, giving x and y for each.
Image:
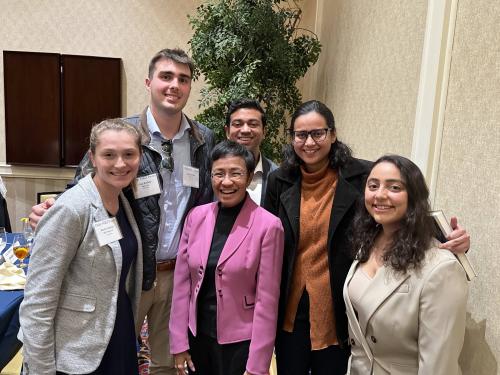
(458, 240)
(180, 360)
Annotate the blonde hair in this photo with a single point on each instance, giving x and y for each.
(116, 124)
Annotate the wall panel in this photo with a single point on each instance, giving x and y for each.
(369, 71)
(468, 180)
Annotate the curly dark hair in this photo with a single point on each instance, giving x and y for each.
(340, 153)
(410, 242)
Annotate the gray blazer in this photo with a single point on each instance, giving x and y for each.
(410, 324)
(69, 306)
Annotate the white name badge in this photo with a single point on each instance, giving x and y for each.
(107, 231)
(146, 186)
(3, 189)
(9, 255)
(191, 176)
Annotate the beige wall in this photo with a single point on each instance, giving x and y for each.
(131, 30)
(368, 72)
(468, 180)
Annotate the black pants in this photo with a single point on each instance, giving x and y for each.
(211, 358)
(293, 349)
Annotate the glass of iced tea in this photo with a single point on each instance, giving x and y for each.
(21, 249)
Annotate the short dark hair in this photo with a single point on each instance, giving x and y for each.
(245, 103)
(413, 238)
(230, 148)
(340, 153)
(176, 54)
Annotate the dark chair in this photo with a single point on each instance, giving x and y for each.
(4, 215)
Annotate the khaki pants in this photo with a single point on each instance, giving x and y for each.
(156, 303)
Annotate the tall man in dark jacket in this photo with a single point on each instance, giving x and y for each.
(173, 177)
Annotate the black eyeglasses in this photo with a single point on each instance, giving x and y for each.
(168, 161)
(219, 176)
(300, 136)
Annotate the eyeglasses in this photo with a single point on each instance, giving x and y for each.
(168, 161)
(300, 136)
(233, 176)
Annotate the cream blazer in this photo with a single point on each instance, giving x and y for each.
(412, 323)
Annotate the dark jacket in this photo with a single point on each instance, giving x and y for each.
(147, 209)
(4, 215)
(283, 200)
(267, 167)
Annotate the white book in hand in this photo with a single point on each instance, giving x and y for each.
(445, 229)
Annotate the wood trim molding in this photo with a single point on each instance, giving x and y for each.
(10, 171)
(434, 162)
(433, 87)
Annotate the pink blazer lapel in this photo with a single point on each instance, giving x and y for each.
(240, 229)
(208, 233)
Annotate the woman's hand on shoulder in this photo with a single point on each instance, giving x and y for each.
(38, 211)
(458, 240)
(180, 362)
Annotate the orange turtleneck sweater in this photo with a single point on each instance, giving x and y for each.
(311, 265)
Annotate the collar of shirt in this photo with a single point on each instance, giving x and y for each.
(258, 167)
(155, 130)
(256, 180)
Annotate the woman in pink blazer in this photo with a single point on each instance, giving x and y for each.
(227, 276)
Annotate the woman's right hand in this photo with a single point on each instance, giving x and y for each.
(39, 210)
(180, 362)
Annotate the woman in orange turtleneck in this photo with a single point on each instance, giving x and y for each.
(314, 193)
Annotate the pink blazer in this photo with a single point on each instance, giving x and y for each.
(247, 280)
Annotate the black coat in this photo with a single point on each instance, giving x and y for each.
(283, 200)
(4, 215)
(267, 167)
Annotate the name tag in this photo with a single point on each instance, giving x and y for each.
(146, 186)
(3, 189)
(107, 231)
(191, 176)
(9, 255)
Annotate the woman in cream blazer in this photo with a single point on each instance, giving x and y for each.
(405, 298)
(83, 287)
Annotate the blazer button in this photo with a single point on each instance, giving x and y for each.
(353, 342)
(374, 340)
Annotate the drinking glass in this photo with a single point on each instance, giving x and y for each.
(21, 249)
(27, 230)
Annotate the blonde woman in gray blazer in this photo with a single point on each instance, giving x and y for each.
(405, 298)
(84, 281)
